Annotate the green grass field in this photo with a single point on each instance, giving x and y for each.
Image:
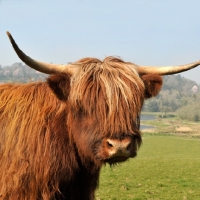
(166, 168)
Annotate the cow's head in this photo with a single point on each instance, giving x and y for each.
(104, 99)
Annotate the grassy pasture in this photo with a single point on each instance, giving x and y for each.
(166, 168)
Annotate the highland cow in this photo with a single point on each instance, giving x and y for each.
(55, 135)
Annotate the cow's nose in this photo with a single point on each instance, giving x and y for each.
(118, 148)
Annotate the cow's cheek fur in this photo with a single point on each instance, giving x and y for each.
(86, 141)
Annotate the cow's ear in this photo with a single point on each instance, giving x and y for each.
(60, 85)
(153, 84)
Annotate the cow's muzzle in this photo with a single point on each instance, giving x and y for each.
(119, 150)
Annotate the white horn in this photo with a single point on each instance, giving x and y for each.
(168, 70)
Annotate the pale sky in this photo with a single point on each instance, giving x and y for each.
(145, 32)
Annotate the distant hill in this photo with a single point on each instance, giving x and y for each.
(177, 94)
(19, 72)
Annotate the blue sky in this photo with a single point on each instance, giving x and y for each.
(144, 32)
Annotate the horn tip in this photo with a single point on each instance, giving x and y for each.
(9, 35)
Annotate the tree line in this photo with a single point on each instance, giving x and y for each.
(19, 72)
(178, 94)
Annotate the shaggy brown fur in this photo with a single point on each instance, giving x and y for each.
(52, 133)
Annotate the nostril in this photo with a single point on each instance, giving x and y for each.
(109, 144)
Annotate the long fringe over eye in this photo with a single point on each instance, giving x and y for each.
(111, 90)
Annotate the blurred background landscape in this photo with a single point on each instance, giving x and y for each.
(179, 95)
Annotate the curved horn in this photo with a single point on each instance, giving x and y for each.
(167, 70)
(41, 66)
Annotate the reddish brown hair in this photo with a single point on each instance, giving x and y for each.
(48, 127)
